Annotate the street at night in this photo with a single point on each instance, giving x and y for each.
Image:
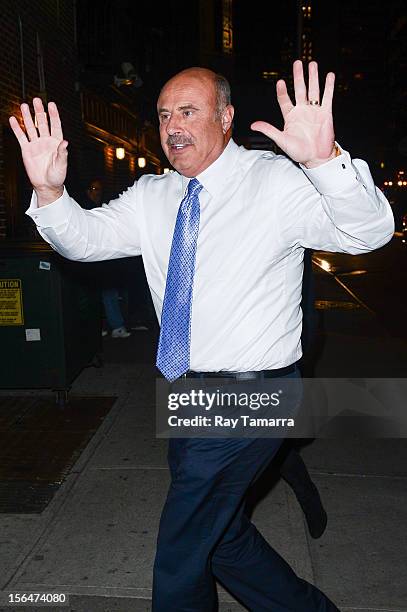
(96, 539)
(375, 281)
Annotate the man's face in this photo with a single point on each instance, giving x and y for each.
(192, 134)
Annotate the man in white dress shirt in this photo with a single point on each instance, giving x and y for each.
(257, 213)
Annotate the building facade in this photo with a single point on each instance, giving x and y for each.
(101, 111)
(37, 59)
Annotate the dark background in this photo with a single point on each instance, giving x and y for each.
(73, 52)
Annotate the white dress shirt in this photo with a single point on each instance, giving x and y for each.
(258, 213)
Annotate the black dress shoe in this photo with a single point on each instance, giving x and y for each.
(295, 473)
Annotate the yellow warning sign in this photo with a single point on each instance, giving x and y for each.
(11, 302)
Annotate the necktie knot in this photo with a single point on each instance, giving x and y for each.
(194, 187)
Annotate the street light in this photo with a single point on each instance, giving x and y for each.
(120, 152)
(141, 162)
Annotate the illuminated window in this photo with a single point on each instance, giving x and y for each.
(306, 11)
(227, 26)
(269, 75)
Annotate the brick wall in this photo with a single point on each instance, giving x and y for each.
(53, 22)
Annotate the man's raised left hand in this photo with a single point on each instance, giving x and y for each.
(308, 136)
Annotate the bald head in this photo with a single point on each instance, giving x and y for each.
(195, 119)
(217, 81)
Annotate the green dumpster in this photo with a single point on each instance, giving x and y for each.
(50, 318)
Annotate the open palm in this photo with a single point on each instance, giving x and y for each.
(43, 149)
(308, 135)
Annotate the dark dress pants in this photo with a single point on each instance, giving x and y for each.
(205, 534)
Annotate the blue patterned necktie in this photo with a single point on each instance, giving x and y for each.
(175, 334)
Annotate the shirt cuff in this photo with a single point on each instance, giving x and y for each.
(336, 175)
(51, 215)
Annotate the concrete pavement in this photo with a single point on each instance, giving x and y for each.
(96, 539)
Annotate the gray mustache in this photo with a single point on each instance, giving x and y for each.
(178, 140)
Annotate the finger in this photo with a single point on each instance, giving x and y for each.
(55, 121)
(61, 153)
(283, 98)
(328, 91)
(19, 133)
(41, 117)
(62, 148)
(313, 81)
(268, 130)
(299, 84)
(28, 122)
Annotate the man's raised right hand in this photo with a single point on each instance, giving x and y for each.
(43, 149)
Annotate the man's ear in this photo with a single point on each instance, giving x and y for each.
(227, 118)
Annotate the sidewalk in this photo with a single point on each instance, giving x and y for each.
(96, 539)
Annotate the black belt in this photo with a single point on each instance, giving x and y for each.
(242, 376)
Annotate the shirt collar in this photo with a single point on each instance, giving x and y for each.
(215, 176)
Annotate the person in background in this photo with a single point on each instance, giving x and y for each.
(93, 194)
(110, 293)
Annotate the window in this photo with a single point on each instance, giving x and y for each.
(227, 26)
